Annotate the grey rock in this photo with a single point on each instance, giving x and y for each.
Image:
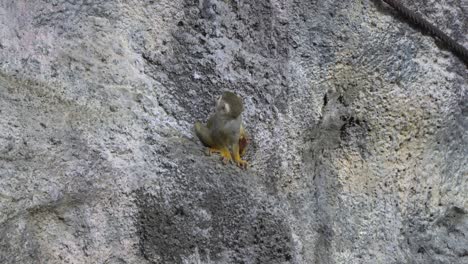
(359, 127)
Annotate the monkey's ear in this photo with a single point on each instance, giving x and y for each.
(227, 107)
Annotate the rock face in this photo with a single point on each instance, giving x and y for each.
(359, 126)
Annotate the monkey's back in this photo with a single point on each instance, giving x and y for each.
(224, 131)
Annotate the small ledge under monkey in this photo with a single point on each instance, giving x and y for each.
(224, 132)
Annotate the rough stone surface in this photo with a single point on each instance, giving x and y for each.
(359, 126)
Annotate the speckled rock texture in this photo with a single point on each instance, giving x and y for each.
(358, 122)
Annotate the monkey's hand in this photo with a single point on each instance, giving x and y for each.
(237, 159)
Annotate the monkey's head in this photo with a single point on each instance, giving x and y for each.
(230, 104)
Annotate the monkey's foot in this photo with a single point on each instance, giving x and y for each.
(210, 151)
(226, 156)
(240, 162)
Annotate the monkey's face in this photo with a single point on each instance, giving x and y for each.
(222, 106)
(229, 105)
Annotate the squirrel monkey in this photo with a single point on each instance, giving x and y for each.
(224, 132)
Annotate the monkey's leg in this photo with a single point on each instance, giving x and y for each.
(243, 141)
(226, 155)
(242, 146)
(203, 134)
(237, 159)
